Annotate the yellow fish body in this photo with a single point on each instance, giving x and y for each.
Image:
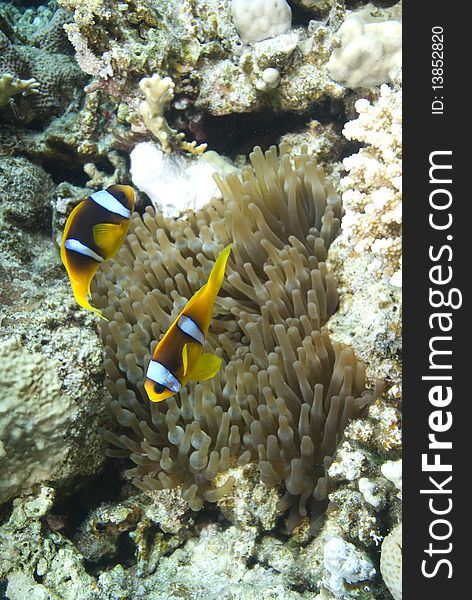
(179, 356)
(94, 232)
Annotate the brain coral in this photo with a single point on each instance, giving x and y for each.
(285, 392)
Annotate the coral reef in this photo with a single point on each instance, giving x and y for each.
(34, 419)
(291, 435)
(366, 258)
(28, 555)
(199, 48)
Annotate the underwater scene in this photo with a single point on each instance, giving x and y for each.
(200, 299)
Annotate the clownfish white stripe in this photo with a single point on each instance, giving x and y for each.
(158, 373)
(77, 246)
(110, 203)
(188, 326)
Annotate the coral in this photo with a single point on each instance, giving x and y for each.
(29, 553)
(40, 425)
(369, 53)
(299, 56)
(372, 188)
(286, 392)
(51, 392)
(57, 75)
(159, 92)
(269, 81)
(10, 86)
(392, 470)
(319, 6)
(363, 502)
(249, 503)
(198, 47)
(369, 315)
(33, 418)
(24, 210)
(40, 26)
(345, 564)
(366, 258)
(391, 562)
(258, 20)
(174, 183)
(155, 524)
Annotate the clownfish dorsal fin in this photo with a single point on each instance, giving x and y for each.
(198, 366)
(107, 238)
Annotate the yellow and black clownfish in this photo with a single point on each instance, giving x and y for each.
(94, 232)
(179, 356)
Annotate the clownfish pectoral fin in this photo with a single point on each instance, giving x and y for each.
(206, 367)
(108, 237)
(190, 356)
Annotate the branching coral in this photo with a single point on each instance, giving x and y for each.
(286, 391)
(372, 189)
(10, 86)
(158, 93)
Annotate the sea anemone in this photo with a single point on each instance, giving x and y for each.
(285, 391)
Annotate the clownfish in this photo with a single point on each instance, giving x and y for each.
(179, 357)
(94, 232)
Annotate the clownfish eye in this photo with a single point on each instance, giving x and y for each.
(121, 196)
(159, 388)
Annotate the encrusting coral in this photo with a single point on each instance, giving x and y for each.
(286, 391)
(52, 78)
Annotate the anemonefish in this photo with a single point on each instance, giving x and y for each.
(179, 356)
(94, 232)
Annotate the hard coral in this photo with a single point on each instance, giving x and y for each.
(57, 75)
(391, 562)
(258, 20)
(369, 53)
(158, 93)
(372, 188)
(10, 86)
(286, 391)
